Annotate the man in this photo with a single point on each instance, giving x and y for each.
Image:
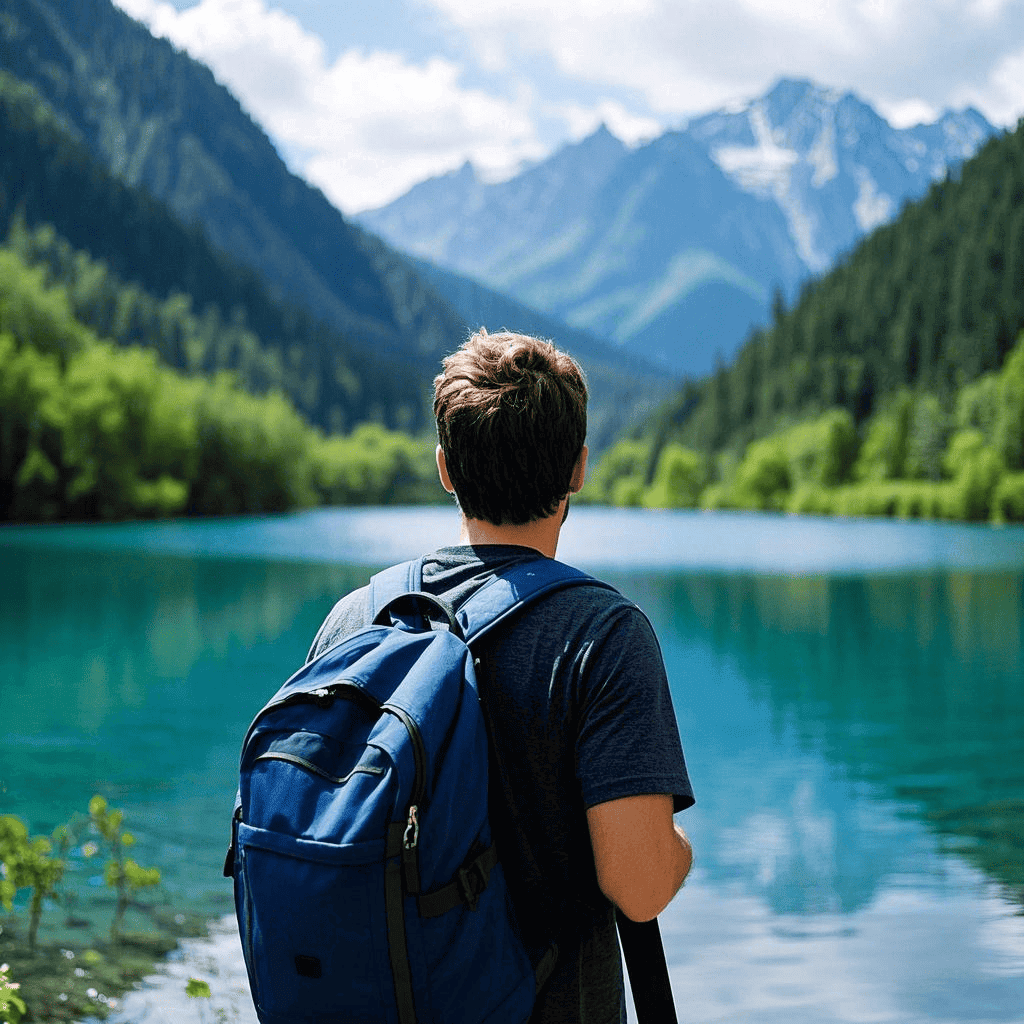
(587, 768)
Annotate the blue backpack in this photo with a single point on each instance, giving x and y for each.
(367, 887)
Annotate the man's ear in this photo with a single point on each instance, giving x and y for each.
(442, 470)
(579, 473)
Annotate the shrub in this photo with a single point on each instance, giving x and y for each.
(121, 873)
(375, 466)
(763, 478)
(976, 468)
(715, 496)
(811, 499)
(28, 865)
(822, 451)
(1008, 499)
(678, 480)
(884, 453)
(620, 476)
(12, 1006)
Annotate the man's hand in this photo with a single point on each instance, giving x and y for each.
(642, 856)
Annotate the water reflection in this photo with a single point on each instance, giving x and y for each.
(846, 712)
(136, 676)
(844, 733)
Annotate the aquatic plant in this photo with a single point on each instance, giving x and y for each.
(12, 1006)
(65, 838)
(199, 989)
(28, 864)
(121, 873)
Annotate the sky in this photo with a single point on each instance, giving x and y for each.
(365, 99)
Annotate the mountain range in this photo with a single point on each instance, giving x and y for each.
(157, 123)
(677, 248)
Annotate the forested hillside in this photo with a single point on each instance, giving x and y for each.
(91, 430)
(137, 275)
(157, 120)
(891, 367)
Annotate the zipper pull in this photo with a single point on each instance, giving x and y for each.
(410, 865)
(321, 696)
(412, 828)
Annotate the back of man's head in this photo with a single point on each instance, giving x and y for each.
(511, 416)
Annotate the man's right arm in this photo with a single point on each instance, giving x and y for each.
(642, 856)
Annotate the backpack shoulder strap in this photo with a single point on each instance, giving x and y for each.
(392, 583)
(506, 594)
(497, 599)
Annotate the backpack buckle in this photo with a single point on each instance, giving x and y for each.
(471, 882)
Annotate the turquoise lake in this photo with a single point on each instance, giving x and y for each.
(850, 696)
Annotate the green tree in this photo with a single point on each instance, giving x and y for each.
(822, 451)
(28, 864)
(927, 436)
(1008, 429)
(35, 314)
(883, 455)
(376, 466)
(31, 431)
(129, 434)
(620, 476)
(763, 479)
(976, 469)
(679, 478)
(121, 873)
(12, 1006)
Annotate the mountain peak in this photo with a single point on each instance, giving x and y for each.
(602, 139)
(466, 173)
(787, 94)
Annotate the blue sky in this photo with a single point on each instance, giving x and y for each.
(366, 99)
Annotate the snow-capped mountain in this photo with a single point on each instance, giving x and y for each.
(834, 167)
(674, 249)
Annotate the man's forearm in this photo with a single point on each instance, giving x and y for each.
(641, 855)
(686, 861)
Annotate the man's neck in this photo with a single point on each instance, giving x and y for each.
(541, 534)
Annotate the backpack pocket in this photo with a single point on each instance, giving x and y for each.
(311, 928)
(478, 970)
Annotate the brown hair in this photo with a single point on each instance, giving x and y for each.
(511, 416)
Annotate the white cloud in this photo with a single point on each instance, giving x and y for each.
(1001, 96)
(906, 113)
(689, 56)
(368, 125)
(582, 120)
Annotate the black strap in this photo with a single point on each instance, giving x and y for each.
(394, 910)
(644, 954)
(465, 888)
(545, 967)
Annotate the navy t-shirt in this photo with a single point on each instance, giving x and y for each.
(579, 709)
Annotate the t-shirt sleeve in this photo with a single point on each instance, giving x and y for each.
(628, 742)
(348, 616)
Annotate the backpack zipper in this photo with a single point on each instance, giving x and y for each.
(419, 752)
(280, 755)
(322, 696)
(412, 829)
